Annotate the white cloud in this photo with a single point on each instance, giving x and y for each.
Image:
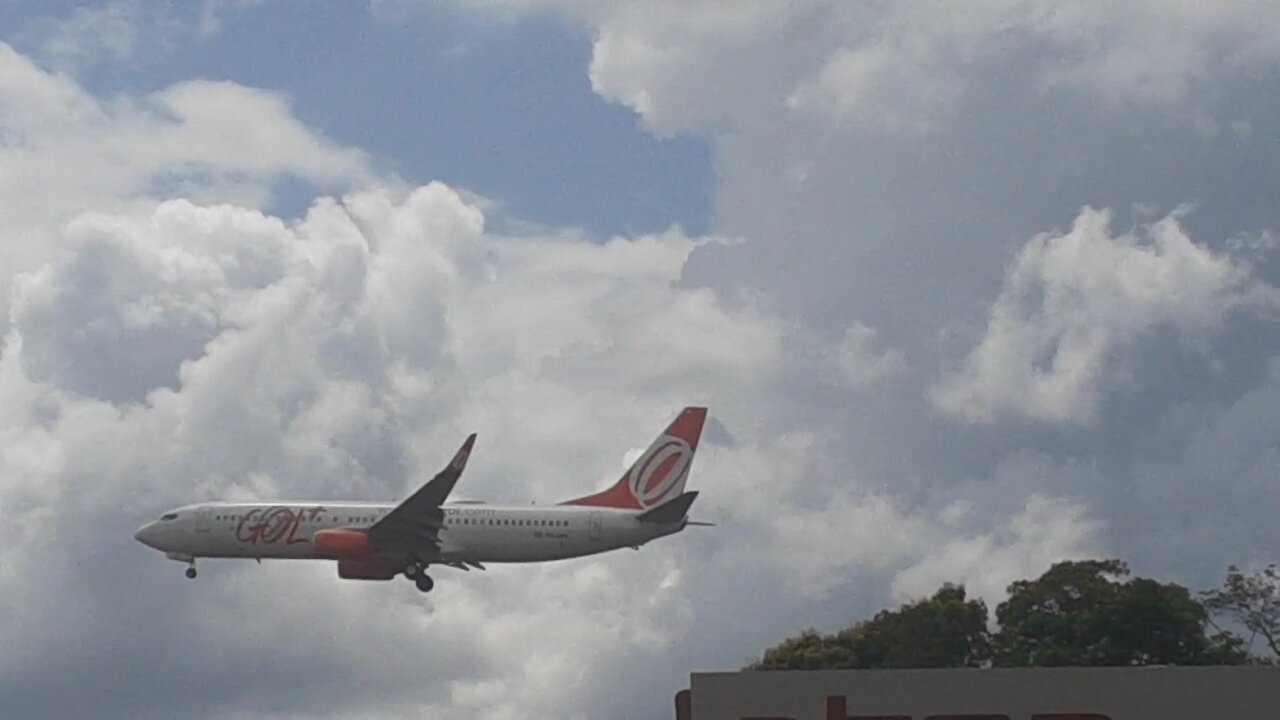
(65, 151)
(213, 14)
(135, 296)
(709, 65)
(122, 32)
(862, 363)
(109, 30)
(1073, 304)
(1046, 530)
(878, 87)
(852, 535)
(821, 527)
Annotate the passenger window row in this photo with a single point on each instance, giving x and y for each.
(506, 522)
(448, 521)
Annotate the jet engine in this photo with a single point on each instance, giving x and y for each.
(370, 569)
(342, 544)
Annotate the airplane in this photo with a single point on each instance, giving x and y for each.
(378, 541)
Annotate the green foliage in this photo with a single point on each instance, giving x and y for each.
(1087, 613)
(1076, 614)
(1252, 601)
(946, 630)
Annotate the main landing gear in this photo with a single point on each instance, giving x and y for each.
(417, 572)
(191, 571)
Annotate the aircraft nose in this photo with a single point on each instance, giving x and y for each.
(146, 535)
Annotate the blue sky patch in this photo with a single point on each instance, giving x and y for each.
(505, 110)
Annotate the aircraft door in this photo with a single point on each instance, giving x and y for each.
(596, 527)
(202, 520)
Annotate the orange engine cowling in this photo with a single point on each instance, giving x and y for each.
(342, 544)
(370, 569)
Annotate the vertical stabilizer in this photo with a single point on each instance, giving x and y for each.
(660, 473)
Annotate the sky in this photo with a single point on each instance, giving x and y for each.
(966, 295)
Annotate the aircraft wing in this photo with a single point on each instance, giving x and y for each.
(414, 525)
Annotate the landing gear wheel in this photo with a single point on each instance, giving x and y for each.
(412, 571)
(424, 583)
(191, 572)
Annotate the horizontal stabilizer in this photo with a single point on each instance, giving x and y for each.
(670, 511)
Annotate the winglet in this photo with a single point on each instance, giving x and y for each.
(459, 461)
(418, 519)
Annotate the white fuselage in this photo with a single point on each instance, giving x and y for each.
(472, 532)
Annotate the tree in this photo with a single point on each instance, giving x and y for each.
(1253, 601)
(1077, 613)
(1086, 613)
(946, 630)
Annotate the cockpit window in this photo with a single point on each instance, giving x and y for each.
(169, 516)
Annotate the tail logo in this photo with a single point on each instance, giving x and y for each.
(659, 473)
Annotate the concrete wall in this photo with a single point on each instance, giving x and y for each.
(1243, 693)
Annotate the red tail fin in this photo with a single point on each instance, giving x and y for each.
(660, 473)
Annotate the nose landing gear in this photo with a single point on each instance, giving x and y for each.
(190, 560)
